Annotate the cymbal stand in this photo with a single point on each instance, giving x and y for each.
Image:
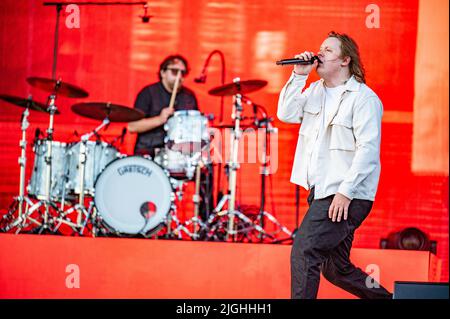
(52, 109)
(195, 221)
(18, 203)
(44, 226)
(195, 163)
(215, 226)
(268, 129)
(177, 194)
(196, 200)
(233, 166)
(89, 213)
(82, 160)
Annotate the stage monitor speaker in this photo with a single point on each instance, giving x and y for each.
(420, 290)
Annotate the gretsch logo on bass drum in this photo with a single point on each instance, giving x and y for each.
(126, 169)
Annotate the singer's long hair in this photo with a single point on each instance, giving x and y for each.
(350, 48)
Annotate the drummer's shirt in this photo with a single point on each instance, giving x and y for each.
(151, 100)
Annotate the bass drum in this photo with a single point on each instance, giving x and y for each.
(133, 195)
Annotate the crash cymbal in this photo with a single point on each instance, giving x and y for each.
(22, 102)
(58, 87)
(240, 87)
(101, 110)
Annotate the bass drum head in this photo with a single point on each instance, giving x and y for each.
(133, 195)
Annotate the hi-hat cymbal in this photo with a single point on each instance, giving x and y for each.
(101, 110)
(239, 87)
(58, 87)
(22, 102)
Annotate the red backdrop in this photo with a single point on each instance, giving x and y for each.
(113, 55)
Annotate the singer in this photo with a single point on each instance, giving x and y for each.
(338, 160)
(154, 100)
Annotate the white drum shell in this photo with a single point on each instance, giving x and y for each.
(37, 185)
(126, 185)
(187, 131)
(98, 156)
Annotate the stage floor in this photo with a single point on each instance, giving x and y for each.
(48, 266)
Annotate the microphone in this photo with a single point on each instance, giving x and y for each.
(201, 78)
(298, 61)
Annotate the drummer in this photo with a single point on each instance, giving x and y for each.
(154, 100)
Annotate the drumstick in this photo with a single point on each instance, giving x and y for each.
(175, 89)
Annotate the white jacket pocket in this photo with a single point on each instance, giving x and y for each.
(341, 135)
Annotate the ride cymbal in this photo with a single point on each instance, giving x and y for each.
(102, 110)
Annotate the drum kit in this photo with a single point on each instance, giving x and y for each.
(88, 187)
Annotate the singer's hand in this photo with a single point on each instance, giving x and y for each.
(339, 208)
(165, 113)
(305, 69)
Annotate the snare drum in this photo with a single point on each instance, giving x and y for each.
(37, 183)
(187, 131)
(98, 156)
(133, 195)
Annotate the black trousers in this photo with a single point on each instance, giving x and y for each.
(321, 245)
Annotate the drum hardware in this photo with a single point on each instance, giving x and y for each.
(51, 109)
(175, 231)
(89, 216)
(21, 200)
(47, 203)
(82, 165)
(195, 220)
(179, 228)
(54, 87)
(47, 199)
(265, 123)
(233, 164)
(232, 89)
(107, 112)
(237, 89)
(196, 199)
(227, 222)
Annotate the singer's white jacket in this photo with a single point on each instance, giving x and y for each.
(349, 154)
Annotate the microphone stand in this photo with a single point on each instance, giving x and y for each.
(203, 74)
